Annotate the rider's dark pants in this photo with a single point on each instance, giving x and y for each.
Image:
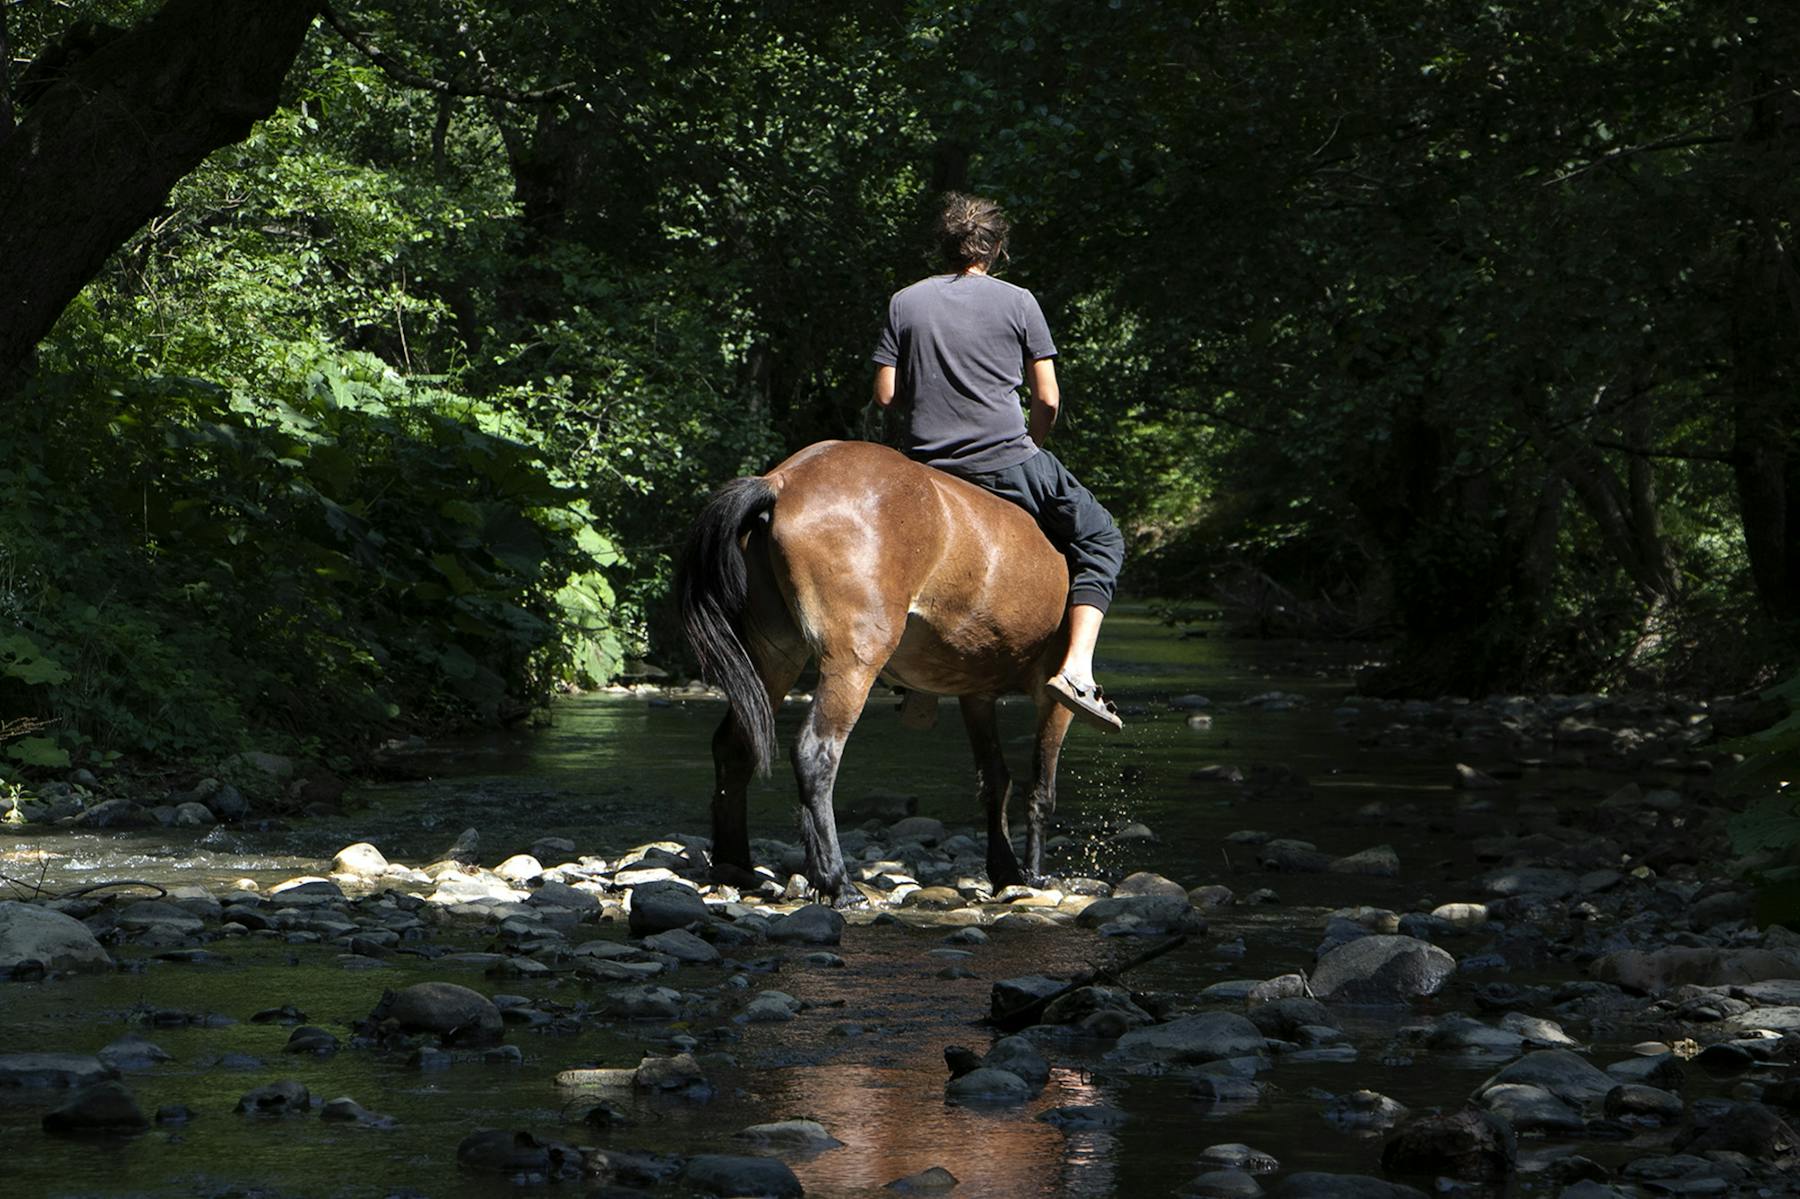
(1071, 518)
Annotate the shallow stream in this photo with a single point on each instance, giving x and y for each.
(865, 1059)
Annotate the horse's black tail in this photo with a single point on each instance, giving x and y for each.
(712, 588)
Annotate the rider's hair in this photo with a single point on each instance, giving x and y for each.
(972, 232)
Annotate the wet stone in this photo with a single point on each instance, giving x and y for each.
(1531, 1109)
(346, 1110)
(1382, 969)
(1200, 1038)
(285, 1097)
(361, 859)
(132, 1052)
(1630, 1100)
(683, 946)
(677, 1074)
(814, 924)
(307, 1039)
(727, 1174)
(1364, 1110)
(1223, 1184)
(453, 1013)
(1473, 1146)
(806, 1136)
(51, 1071)
(1316, 1185)
(1084, 1118)
(519, 1156)
(106, 1108)
(772, 1007)
(1571, 1078)
(34, 938)
(663, 905)
(933, 1181)
(643, 1003)
(988, 1085)
(1237, 1156)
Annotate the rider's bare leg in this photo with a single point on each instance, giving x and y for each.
(1084, 631)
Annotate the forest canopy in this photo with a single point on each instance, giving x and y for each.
(361, 367)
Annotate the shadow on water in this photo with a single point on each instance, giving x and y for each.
(866, 1058)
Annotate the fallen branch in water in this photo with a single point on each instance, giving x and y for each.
(1028, 1014)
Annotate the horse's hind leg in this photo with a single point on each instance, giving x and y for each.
(996, 788)
(1053, 726)
(733, 765)
(843, 689)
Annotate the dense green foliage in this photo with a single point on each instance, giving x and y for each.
(1465, 323)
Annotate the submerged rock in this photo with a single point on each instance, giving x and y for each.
(808, 1136)
(455, 1014)
(926, 1182)
(1473, 1146)
(285, 1097)
(988, 1085)
(1316, 1185)
(728, 1174)
(51, 1071)
(519, 1156)
(106, 1108)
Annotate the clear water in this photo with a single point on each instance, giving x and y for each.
(866, 1059)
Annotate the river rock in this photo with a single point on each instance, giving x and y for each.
(1650, 1103)
(1473, 1146)
(284, 1097)
(1014, 994)
(519, 1156)
(1223, 1184)
(1016, 1055)
(36, 937)
(728, 1174)
(660, 906)
(1152, 915)
(772, 1007)
(988, 1085)
(805, 1136)
(361, 859)
(51, 1071)
(307, 1039)
(148, 914)
(519, 868)
(1571, 1078)
(1236, 1156)
(922, 829)
(933, 1181)
(1084, 1118)
(679, 1072)
(106, 1108)
(643, 1003)
(1747, 1128)
(1364, 1110)
(1463, 1034)
(1530, 1109)
(1378, 861)
(1199, 1038)
(1281, 1018)
(814, 924)
(345, 1110)
(1146, 883)
(1380, 969)
(1656, 971)
(454, 1014)
(683, 946)
(132, 1052)
(1531, 882)
(1314, 1185)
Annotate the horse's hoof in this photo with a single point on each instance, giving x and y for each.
(736, 876)
(848, 898)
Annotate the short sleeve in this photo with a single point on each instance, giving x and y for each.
(1036, 332)
(887, 346)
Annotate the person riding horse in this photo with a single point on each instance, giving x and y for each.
(952, 352)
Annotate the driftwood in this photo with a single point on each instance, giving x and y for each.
(1028, 1014)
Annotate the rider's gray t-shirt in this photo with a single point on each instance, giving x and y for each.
(960, 345)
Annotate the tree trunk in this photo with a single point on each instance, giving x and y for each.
(96, 155)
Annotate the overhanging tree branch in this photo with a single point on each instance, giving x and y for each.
(406, 76)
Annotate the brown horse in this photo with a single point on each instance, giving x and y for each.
(874, 566)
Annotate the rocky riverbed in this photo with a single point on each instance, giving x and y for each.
(1514, 959)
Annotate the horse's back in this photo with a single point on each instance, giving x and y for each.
(897, 565)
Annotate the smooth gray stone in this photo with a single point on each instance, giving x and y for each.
(1200, 1038)
(58, 942)
(1382, 969)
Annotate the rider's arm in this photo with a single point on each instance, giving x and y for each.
(1044, 398)
(884, 385)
